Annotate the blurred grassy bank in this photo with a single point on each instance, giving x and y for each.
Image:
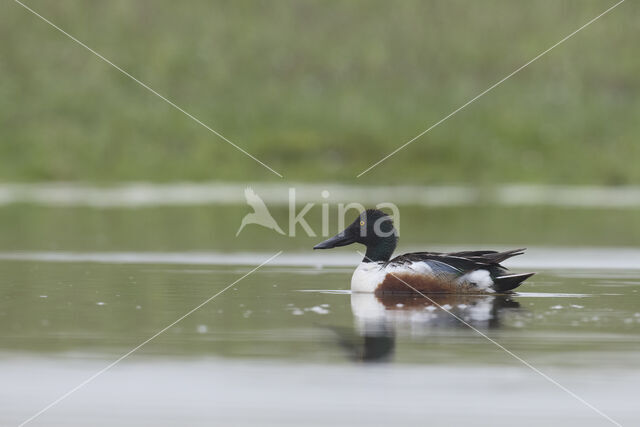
(319, 91)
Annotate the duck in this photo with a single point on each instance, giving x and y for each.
(467, 272)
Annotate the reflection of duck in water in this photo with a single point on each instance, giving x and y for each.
(429, 272)
(416, 313)
(379, 318)
(367, 348)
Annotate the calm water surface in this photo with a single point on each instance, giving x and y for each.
(289, 345)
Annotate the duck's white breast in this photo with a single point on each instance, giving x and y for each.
(367, 276)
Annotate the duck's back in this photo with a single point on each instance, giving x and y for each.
(433, 272)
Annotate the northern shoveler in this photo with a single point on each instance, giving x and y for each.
(428, 272)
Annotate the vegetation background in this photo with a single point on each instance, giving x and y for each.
(321, 90)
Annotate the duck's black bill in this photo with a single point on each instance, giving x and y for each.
(335, 241)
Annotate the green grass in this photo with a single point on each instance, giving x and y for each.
(321, 90)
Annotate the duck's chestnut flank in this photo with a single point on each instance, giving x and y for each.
(406, 283)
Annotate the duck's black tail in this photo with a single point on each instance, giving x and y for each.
(509, 282)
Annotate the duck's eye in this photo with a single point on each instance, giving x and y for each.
(361, 222)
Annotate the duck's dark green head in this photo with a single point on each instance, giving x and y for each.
(374, 229)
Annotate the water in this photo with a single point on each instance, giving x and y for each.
(82, 284)
(289, 345)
